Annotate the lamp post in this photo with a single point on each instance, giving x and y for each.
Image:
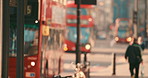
(145, 18)
(0, 35)
(78, 2)
(135, 18)
(78, 52)
(145, 27)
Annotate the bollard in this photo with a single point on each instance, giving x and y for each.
(85, 57)
(114, 64)
(86, 68)
(46, 69)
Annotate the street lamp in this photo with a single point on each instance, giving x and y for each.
(145, 18)
(135, 18)
(145, 27)
(78, 52)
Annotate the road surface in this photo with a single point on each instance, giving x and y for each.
(101, 61)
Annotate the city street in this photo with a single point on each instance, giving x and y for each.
(45, 38)
(101, 61)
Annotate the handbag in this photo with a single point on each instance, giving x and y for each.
(139, 60)
(142, 70)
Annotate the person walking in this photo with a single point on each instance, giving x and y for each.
(134, 57)
(141, 42)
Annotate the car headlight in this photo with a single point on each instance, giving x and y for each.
(65, 47)
(32, 63)
(87, 46)
(116, 39)
(129, 39)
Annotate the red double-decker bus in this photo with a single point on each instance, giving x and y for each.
(123, 30)
(86, 28)
(43, 38)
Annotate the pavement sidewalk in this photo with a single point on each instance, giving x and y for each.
(122, 67)
(122, 71)
(113, 77)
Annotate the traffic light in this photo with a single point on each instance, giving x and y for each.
(87, 2)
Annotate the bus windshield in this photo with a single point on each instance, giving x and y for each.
(30, 41)
(123, 23)
(122, 33)
(123, 29)
(84, 34)
(73, 11)
(53, 41)
(74, 21)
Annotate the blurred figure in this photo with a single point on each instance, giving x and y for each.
(132, 41)
(141, 42)
(133, 54)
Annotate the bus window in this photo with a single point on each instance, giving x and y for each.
(73, 11)
(30, 41)
(85, 34)
(54, 40)
(12, 42)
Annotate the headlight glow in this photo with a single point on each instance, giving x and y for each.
(36, 21)
(65, 47)
(87, 46)
(129, 39)
(90, 19)
(116, 39)
(32, 63)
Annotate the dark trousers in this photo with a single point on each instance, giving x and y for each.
(133, 66)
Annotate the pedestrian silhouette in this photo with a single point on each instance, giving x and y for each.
(141, 42)
(134, 57)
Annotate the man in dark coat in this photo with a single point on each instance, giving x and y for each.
(133, 52)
